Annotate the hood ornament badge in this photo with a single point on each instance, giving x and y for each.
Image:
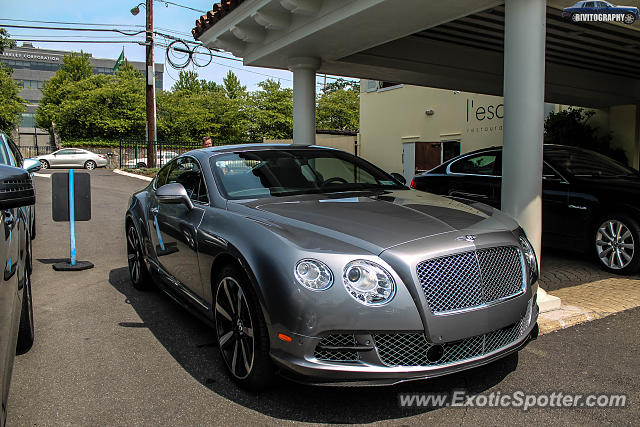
(469, 238)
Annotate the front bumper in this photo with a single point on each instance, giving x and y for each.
(370, 368)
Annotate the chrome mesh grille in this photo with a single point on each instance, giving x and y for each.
(470, 279)
(337, 340)
(410, 349)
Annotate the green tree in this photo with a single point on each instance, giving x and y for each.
(339, 106)
(571, 127)
(5, 41)
(11, 105)
(232, 86)
(187, 82)
(270, 111)
(75, 68)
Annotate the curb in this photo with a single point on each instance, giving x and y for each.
(132, 175)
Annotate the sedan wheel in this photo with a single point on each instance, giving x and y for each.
(629, 18)
(90, 165)
(241, 331)
(137, 269)
(44, 164)
(616, 243)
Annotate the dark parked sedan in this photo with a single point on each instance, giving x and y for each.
(16, 308)
(316, 264)
(589, 201)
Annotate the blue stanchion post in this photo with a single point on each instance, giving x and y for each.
(72, 219)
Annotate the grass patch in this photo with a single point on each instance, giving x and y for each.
(151, 172)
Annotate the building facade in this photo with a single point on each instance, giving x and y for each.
(409, 129)
(33, 66)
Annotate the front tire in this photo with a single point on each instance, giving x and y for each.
(138, 273)
(44, 164)
(90, 165)
(617, 244)
(629, 18)
(141, 165)
(242, 333)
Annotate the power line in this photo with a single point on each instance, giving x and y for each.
(70, 23)
(79, 41)
(179, 5)
(113, 30)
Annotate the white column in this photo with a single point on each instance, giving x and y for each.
(524, 66)
(304, 99)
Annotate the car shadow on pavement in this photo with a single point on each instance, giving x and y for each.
(191, 343)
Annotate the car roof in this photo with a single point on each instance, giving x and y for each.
(210, 151)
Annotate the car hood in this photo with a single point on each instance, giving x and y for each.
(374, 221)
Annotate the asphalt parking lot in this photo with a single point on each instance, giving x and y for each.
(106, 354)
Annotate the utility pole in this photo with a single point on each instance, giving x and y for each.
(152, 139)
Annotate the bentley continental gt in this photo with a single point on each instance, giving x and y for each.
(314, 264)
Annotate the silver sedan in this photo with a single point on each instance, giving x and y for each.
(72, 158)
(315, 264)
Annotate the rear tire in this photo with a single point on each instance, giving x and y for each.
(629, 18)
(241, 331)
(26, 332)
(141, 165)
(138, 273)
(90, 165)
(617, 244)
(44, 164)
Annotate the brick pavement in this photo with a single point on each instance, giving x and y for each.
(587, 292)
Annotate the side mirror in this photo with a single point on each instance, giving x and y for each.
(16, 188)
(399, 177)
(174, 194)
(31, 165)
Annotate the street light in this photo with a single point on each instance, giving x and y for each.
(136, 10)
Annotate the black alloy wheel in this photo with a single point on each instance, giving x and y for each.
(137, 269)
(241, 331)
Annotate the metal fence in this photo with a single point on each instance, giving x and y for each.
(29, 151)
(133, 154)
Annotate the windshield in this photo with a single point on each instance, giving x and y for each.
(285, 172)
(588, 163)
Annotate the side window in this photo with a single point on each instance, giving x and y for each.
(4, 155)
(15, 151)
(187, 172)
(65, 152)
(588, 4)
(161, 178)
(482, 164)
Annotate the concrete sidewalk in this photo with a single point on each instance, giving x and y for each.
(587, 292)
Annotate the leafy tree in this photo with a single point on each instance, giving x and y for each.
(232, 86)
(339, 106)
(187, 82)
(341, 84)
(5, 41)
(11, 105)
(571, 127)
(270, 111)
(75, 67)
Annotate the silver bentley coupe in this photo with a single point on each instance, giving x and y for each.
(314, 264)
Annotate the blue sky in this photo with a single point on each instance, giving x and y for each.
(117, 12)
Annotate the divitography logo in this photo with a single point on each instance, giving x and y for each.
(600, 11)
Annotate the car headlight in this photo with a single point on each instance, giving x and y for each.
(313, 274)
(529, 258)
(368, 283)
